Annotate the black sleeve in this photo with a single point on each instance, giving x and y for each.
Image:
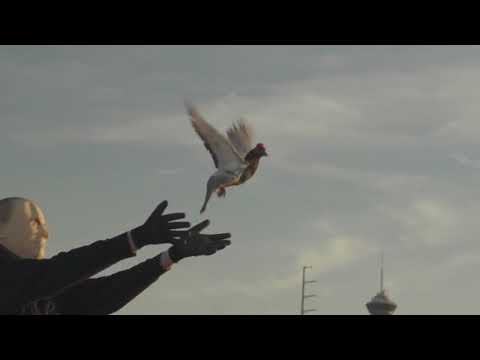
(106, 295)
(25, 280)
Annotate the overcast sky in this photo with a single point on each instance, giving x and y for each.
(371, 148)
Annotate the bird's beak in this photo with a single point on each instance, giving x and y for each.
(265, 153)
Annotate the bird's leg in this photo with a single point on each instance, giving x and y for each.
(221, 192)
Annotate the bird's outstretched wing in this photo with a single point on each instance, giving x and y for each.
(241, 136)
(224, 155)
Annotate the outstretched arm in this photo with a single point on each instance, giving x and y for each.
(109, 294)
(26, 280)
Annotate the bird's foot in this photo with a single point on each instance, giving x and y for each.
(221, 192)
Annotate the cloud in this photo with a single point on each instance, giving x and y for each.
(380, 108)
(334, 253)
(430, 221)
(464, 160)
(170, 171)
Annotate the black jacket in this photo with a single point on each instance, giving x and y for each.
(62, 284)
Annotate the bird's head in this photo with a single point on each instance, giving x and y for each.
(259, 151)
(256, 153)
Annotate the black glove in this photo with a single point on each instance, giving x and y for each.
(196, 244)
(160, 228)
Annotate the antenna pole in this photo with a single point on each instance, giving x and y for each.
(381, 273)
(302, 305)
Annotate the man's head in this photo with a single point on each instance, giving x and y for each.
(23, 229)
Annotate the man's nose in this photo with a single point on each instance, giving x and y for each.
(44, 231)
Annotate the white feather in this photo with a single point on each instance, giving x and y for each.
(224, 154)
(241, 136)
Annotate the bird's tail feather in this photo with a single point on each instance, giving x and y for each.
(210, 190)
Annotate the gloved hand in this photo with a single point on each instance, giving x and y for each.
(196, 244)
(160, 228)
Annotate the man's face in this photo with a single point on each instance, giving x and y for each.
(26, 233)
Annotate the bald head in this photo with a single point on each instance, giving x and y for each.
(23, 229)
(6, 208)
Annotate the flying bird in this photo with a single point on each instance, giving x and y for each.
(234, 156)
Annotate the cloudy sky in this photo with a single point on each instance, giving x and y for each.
(371, 148)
